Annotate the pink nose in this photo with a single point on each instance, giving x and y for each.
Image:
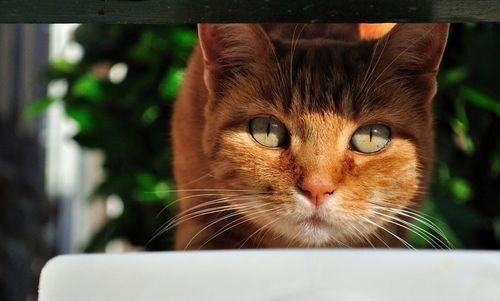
(317, 189)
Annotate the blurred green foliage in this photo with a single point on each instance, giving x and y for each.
(465, 193)
(129, 122)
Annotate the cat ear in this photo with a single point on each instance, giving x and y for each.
(417, 48)
(229, 49)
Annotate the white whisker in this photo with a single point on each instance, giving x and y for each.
(243, 219)
(428, 237)
(404, 242)
(260, 229)
(213, 223)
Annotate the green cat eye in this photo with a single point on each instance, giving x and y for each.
(370, 138)
(268, 131)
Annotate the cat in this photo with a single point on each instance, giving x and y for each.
(301, 135)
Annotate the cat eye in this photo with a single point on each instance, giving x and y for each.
(268, 131)
(370, 138)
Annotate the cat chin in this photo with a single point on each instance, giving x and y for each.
(313, 234)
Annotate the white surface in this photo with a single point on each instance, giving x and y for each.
(291, 275)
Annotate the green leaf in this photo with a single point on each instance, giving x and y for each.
(462, 137)
(452, 76)
(163, 190)
(461, 127)
(461, 190)
(144, 190)
(87, 87)
(145, 179)
(151, 189)
(150, 115)
(37, 107)
(470, 25)
(82, 116)
(480, 99)
(495, 165)
(183, 38)
(172, 82)
(144, 49)
(496, 227)
(443, 172)
(63, 66)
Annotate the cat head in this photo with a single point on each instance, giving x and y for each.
(331, 138)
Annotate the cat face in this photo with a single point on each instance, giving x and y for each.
(330, 140)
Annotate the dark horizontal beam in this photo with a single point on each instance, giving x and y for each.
(226, 11)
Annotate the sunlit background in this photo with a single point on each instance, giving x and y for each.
(85, 157)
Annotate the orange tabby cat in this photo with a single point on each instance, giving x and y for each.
(305, 135)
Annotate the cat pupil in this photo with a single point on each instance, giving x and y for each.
(268, 131)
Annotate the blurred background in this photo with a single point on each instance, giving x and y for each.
(85, 157)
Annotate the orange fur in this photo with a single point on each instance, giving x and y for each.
(322, 82)
(374, 31)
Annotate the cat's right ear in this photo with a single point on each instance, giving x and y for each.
(229, 49)
(415, 47)
(414, 51)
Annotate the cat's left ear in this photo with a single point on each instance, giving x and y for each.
(416, 48)
(231, 49)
